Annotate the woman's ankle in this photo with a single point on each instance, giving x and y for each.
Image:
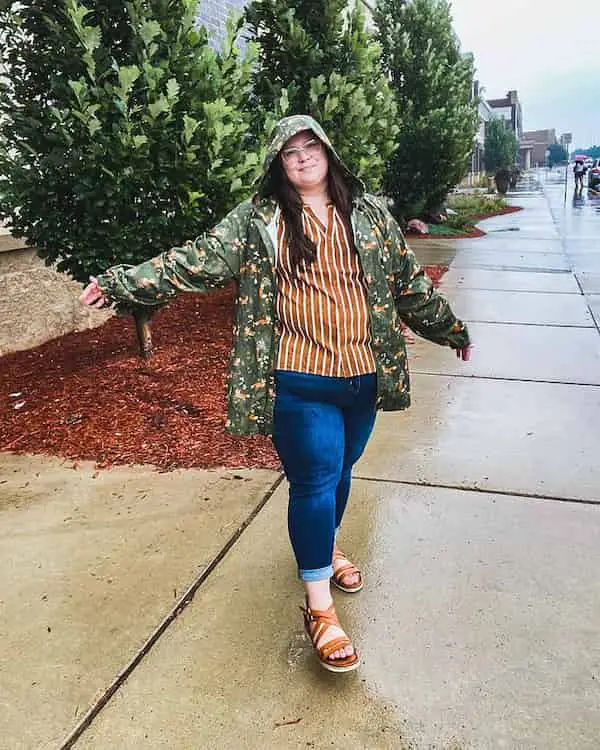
(318, 594)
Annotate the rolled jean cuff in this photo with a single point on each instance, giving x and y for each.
(317, 574)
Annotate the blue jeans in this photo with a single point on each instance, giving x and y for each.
(321, 427)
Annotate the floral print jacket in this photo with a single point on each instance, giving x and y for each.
(241, 248)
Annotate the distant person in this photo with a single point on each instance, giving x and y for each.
(579, 170)
(324, 280)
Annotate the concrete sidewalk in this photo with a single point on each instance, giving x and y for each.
(93, 564)
(475, 518)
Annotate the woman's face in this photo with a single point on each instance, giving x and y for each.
(304, 159)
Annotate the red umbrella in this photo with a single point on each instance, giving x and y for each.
(580, 157)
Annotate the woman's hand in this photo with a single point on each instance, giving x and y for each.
(92, 295)
(465, 352)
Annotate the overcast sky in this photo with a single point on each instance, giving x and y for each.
(548, 51)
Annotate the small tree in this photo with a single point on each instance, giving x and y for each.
(433, 83)
(501, 146)
(593, 152)
(120, 130)
(557, 154)
(317, 58)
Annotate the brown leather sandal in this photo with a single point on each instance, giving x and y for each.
(317, 623)
(343, 571)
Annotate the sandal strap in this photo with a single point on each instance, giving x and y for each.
(335, 644)
(346, 569)
(321, 616)
(318, 622)
(343, 570)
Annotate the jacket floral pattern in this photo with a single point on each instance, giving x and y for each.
(241, 248)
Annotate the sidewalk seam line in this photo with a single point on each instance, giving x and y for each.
(460, 287)
(532, 325)
(505, 379)
(154, 637)
(540, 325)
(589, 307)
(480, 490)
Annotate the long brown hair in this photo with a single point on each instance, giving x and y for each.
(302, 249)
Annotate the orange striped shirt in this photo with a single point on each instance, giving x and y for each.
(322, 310)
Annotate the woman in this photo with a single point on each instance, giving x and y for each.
(324, 280)
(579, 171)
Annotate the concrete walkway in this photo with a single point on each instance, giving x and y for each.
(475, 517)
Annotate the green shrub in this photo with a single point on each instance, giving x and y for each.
(433, 83)
(444, 229)
(501, 147)
(458, 221)
(317, 58)
(121, 130)
(475, 203)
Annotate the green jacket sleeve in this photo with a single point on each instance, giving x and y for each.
(420, 306)
(208, 262)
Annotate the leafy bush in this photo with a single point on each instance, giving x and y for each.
(468, 207)
(472, 204)
(317, 58)
(557, 154)
(501, 147)
(447, 228)
(121, 130)
(433, 83)
(458, 221)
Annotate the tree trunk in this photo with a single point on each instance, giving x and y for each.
(502, 181)
(143, 329)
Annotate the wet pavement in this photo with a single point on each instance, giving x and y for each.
(475, 517)
(93, 563)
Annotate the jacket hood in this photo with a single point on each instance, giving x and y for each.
(286, 129)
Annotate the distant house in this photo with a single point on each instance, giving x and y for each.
(534, 145)
(510, 110)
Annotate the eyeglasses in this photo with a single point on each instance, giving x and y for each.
(310, 149)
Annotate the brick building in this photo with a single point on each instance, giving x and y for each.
(534, 145)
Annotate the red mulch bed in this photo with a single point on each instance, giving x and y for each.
(471, 233)
(435, 273)
(499, 212)
(90, 396)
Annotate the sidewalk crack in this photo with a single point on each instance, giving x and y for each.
(154, 637)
